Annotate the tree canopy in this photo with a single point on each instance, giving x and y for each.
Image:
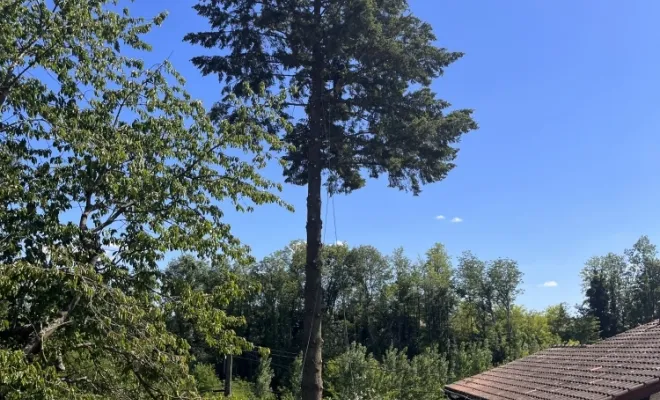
(392, 323)
(622, 290)
(107, 165)
(375, 62)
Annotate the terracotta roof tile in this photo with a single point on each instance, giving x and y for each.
(622, 365)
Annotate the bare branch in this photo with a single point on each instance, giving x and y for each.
(35, 343)
(113, 217)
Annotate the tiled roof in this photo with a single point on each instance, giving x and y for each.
(626, 367)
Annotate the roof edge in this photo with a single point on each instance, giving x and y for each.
(456, 395)
(641, 392)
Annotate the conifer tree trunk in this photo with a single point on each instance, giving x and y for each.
(312, 381)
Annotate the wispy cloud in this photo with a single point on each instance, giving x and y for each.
(456, 220)
(549, 284)
(439, 217)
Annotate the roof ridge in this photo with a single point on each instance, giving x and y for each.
(639, 328)
(564, 345)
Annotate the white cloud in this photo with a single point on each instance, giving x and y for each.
(111, 249)
(456, 220)
(340, 243)
(440, 217)
(549, 284)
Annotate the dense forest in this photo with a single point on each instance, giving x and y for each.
(109, 165)
(393, 325)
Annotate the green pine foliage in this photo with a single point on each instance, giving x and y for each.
(376, 62)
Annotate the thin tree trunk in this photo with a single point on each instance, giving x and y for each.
(228, 374)
(312, 381)
(509, 327)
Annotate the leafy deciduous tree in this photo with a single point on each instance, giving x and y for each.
(643, 281)
(106, 166)
(505, 278)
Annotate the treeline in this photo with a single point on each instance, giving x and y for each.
(623, 290)
(388, 318)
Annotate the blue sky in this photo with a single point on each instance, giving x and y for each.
(564, 165)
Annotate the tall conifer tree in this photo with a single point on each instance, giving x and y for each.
(361, 71)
